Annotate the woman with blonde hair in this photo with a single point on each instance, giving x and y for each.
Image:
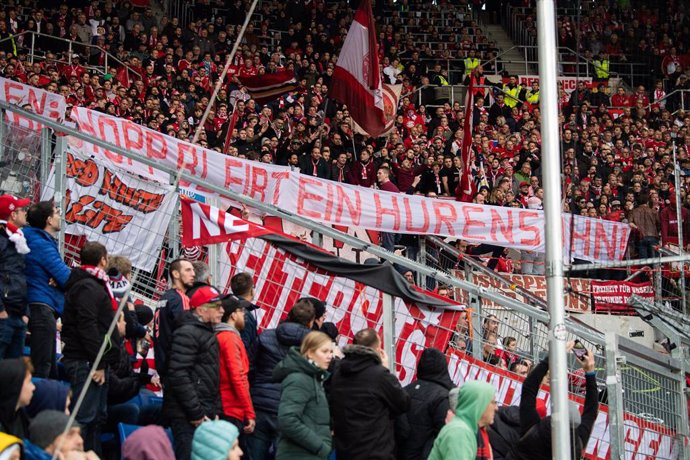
(303, 414)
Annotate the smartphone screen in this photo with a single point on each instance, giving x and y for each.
(579, 350)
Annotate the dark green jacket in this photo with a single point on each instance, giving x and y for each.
(303, 415)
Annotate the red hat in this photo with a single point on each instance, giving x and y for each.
(204, 295)
(10, 203)
(524, 184)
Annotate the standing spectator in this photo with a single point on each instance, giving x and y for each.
(172, 304)
(273, 346)
(417, 429)
(363, 172)
(119, 272)
(89, 306)
(242, 285)
(234, 367)
(303, 415)
(13, 248)
(46, 276)
(383, 175)
(192, 395)
(645, 219)
(314, 164)
(535, 441)
(16, 392)
(475, 410)
(669, 222)
(365, 400)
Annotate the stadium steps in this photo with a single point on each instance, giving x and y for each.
(513, 60)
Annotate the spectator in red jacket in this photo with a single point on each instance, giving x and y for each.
(669, 223)
(234, 367)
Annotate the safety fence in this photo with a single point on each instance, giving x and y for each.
(140, 218)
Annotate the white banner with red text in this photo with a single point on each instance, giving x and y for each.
(347, 205)
(281, 279)
(36, 100)
(129, 216)
(643, 439)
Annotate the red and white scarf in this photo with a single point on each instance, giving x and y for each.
(16, 236)
(101, 275)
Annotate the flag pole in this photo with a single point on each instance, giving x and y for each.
(558, 366)
(219, 84)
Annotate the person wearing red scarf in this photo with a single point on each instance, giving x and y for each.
(13, 247)
(88, 313)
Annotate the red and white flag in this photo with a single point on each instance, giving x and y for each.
(204, 224)
(267, 87)
(357, 77)
(466, 187)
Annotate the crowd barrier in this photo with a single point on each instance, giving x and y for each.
(133, 215)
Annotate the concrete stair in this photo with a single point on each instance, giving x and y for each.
(513, 60)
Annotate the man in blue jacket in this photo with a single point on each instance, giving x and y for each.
(46, 275)
(13, 248)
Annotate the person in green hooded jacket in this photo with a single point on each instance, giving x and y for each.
(474, 411)
(303, 414)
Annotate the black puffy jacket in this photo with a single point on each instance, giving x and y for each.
(193, 389)
(272, 347)
(365, 400)
(417, 429)
(123, 382)
(505, 431)
(12, 279)
(86, 319)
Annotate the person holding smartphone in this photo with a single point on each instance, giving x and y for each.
(535, 432)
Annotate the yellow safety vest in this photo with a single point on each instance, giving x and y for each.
(470, 65)
(511, 98)
(533, 98)
(442, 80)
(601, 68)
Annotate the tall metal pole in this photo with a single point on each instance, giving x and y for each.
(679, 219)
(546, 40)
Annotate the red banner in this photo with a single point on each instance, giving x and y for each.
(613, 296)
(203, 224)
(576, 301)
(281, 279)
(643, 439)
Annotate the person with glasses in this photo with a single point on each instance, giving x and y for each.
(13, 249)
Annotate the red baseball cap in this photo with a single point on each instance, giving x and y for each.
(204, 295)
(524, 184)
(10, 203)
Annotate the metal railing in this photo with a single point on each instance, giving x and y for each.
(655, 385)
(514, 22)
(69, 47)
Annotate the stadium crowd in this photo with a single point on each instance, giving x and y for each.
(221, 379)
(617, 149)
(229, 390)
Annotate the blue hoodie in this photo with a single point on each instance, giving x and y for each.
(42, 264)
